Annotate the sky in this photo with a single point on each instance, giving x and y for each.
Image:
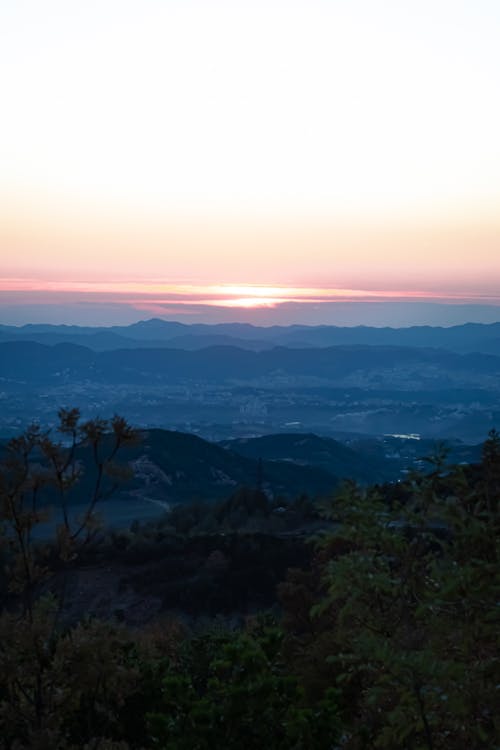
(331, 161)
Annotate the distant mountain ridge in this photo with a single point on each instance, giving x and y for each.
(257, 386)
(158, 333)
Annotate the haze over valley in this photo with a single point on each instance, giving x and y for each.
(239, 380)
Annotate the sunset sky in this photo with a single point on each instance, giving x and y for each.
(331, 161)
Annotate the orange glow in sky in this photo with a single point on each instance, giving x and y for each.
(249, 156)
(221, 295)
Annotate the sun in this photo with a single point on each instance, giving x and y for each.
(249, 302)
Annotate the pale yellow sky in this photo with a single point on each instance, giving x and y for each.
(321, 143)
(437, 257)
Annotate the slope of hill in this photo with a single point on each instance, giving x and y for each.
(185, 467)
(311, 450)
(169, 467)
(26, 360)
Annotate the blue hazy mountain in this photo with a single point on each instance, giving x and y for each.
(225, 391)
(471, 337)
(38, 363)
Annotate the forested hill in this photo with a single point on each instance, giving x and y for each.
(220, 626)
(32, 362)
(168, 467)
(313, 450)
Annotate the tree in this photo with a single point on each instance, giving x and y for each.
(233, 690)
(406, 610)
(47, 675)
(39, 474)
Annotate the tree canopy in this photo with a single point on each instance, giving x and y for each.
(389, 639)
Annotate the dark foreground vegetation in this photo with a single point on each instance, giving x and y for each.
(366, 620)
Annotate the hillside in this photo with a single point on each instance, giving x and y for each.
(176, 467)
(166, 468)
(311, 450)
(38, 363)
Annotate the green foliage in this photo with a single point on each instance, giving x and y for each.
(245, 510)
(52, 684)
(235, 689)
(406, 608)
(389, 640)
(57, 688)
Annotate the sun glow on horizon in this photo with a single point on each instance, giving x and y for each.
(249, 156)
(153, 296)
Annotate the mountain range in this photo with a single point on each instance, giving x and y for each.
(39, 363)
(156, 333)
(439, 383)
